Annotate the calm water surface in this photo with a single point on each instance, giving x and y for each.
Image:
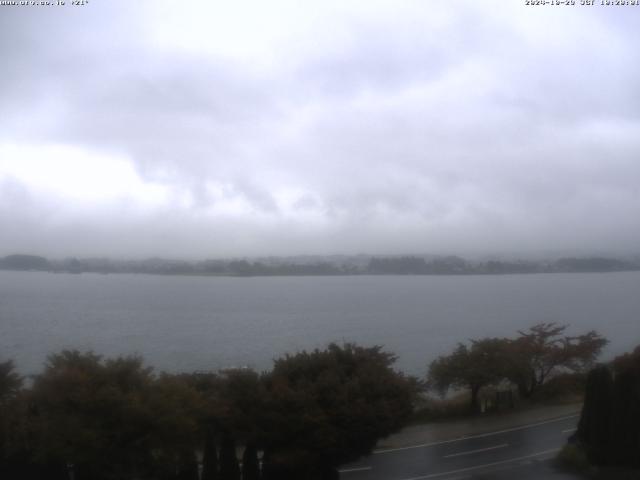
(198, 323)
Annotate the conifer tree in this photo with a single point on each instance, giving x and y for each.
(594, 428)
(625, 421)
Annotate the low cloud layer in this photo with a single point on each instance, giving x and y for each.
(251, 128)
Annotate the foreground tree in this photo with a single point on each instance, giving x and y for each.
(113, 419)
(329, 407)
(625, 418)
(609, 428)
(11, 418)
(473, 367)
(594, 427)
(174, 434)
(239, 404)
(543, 350)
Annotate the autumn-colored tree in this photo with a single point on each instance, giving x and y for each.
(543, 350)
(481, 363)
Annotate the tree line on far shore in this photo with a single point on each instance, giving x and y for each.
(319, 266)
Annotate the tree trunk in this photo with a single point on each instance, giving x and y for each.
(475, 404)
(229, 468)
(250, 467)
(526, 388)
(187, 465)
(210, 458)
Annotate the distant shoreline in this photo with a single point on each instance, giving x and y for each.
(319, 266)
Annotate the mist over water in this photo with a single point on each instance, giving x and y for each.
(207, 323)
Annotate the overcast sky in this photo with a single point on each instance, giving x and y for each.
(212, 129)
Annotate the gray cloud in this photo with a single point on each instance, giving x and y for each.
(470, 128)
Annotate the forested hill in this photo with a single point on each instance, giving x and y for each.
(318, 265)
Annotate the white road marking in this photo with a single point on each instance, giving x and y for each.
(358, 469)
(471, 452)
(477, 467)
(482, 435)
(569, 430)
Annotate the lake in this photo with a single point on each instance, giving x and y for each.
(203, 323)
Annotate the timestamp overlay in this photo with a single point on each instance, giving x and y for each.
(583, 3)
(45, 3)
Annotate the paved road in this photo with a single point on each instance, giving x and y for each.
(520, 452)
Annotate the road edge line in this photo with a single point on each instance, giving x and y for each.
(486, 465)
(470, 437)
